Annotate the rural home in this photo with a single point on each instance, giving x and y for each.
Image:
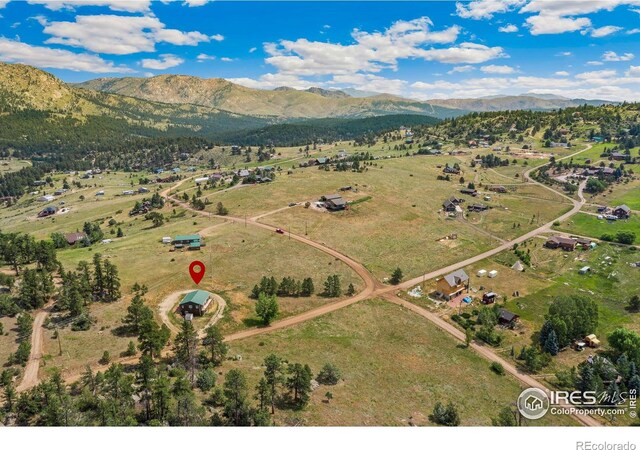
(450, 169)
(564, 243)
(48, 211)
(622, 212)
(449, 206)
(192, 241)
(617, 156)
(195, 302)
(73, 238)
(453, 284)
(468, 191)
(334, 202)
(46, 198)
(478, 207)
(507, 318)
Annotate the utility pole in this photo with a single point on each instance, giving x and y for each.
(305, 228)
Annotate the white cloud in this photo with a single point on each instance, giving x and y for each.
(462, 69)
(613, 56)
(204, 57)
(633, 31)
(252, 49)
(225, 59)
(372, 52)
(510, 28)
(3, 3)
(19, 52)
(115, 5)
(594, 63)
(634, 71)
(194, 3)
(502, 70)
(165, 62)
(596, 74)
(605, 31)
(118, 35)
(545, 24)
(274, 80)
(564, 54)
(562, 73)
(217, 37)
(485, 9)
(562, 16)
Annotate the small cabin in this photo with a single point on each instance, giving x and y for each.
(195, 302)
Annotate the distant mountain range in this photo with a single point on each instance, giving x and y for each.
(535, 102)
(283, 103)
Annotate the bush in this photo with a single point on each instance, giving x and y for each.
(106, 358)
(445, 415)
(497, 368)
(329, 374)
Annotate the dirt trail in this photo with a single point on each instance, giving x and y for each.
(170, 301)
(30, 378)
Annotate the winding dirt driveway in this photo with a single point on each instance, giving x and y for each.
(30, 378)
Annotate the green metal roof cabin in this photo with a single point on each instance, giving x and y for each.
(195, 302)
(186, 238)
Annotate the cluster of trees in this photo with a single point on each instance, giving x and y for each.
(621, 237)
(288, 287)
(98, 282)
(569, 318)
(18, 250)
(491, 160)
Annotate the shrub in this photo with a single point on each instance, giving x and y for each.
(497, 368)
(329, 374)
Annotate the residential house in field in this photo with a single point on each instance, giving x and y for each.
(617, 156)
(60, 192)
(73, 238)
(449, 206)
(321, 161)
(195, 302)
(243, 173)
(342, 154)
(622, 212)
(39, 183)
(201, 180)
(452, 284)
(451, 170)
(334, 202)
(583, 242)
(564, 243)
(190, 241)
(46, 198)
(477, 207)
(560, 145)
(507, 318)
(48, 211)
(143, 190)
(469, 191)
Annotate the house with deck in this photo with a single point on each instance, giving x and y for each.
(453, 284)
(195, 302)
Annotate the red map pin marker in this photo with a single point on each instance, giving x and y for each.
(196, 270)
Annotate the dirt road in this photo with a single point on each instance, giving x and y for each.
(30, 378)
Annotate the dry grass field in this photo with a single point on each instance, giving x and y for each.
(395, 366)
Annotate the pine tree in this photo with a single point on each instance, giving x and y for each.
(551, 344)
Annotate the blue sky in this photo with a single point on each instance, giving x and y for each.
(422, 50)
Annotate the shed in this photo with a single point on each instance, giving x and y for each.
(518, 266)
(507, 317)
(481, 273)
(585, 270)
(166, 240)
(592, 341)
(493, 274)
